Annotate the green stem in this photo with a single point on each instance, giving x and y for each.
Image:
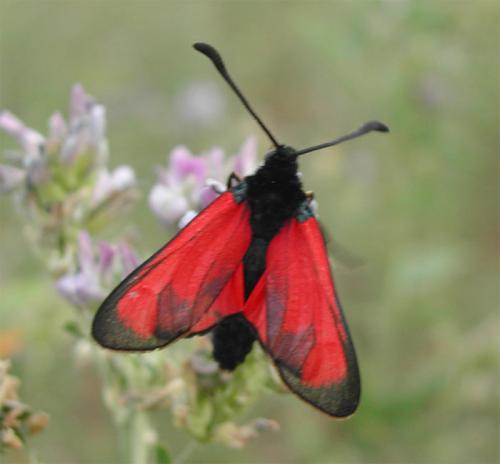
(139, 437)
(134, 430)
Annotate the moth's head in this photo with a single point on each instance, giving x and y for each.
(282, 153)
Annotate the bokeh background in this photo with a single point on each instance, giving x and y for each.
(418, 206)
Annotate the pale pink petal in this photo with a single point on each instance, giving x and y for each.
(79, 289)
(67, 286)
(79, 102)
(57, 128)
(183, 165)
(30, 140)
(11, 124)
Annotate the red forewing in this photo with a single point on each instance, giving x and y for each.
(300, 323)
(185, 288)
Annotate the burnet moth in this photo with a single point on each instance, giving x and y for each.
(251, 266)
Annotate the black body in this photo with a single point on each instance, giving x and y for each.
(274, 194)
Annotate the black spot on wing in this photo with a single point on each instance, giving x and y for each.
(292, 349)
(174, 314)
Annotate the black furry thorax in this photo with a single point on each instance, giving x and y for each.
(274, 193)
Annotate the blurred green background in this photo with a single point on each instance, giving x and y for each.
(417, 206)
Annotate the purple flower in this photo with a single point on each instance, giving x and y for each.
(190, 183)
(98, 269)
(84, 133)
(83, 287)
(185, 166)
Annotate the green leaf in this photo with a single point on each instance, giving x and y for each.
(73, 329)
(162, 456)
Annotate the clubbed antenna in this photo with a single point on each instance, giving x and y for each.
(364, 129)
(216, 59)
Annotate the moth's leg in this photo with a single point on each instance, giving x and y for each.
(233, 177)
(309, 196)
(216, 188)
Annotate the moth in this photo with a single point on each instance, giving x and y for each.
(252, 266)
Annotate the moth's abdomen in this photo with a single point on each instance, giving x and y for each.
(232, 340)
